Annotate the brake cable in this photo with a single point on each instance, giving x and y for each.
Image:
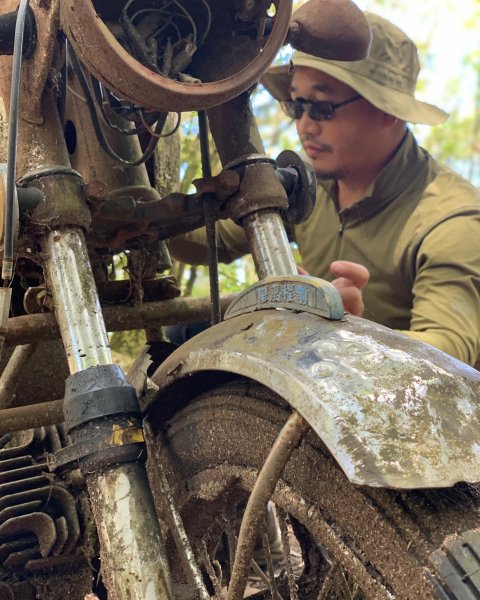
(152, 144)
(209, 221)
(11, 199)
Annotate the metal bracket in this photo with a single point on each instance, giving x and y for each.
(116, 444)
(294, 292)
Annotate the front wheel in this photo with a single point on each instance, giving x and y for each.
(338, 540)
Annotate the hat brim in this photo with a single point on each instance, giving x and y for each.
(277, 80)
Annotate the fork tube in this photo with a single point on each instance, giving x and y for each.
(265, 230)
(269, 244)
(77, 307)
(234, 129)
(134, 560)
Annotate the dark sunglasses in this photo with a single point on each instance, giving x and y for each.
(318, 111)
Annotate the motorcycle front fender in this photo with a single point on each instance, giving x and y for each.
(393, 412)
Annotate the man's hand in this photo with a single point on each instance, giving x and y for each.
(301, 271)
(349, 280)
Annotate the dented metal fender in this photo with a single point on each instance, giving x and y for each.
(393, 412)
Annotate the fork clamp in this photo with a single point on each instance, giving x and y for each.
(102, 416)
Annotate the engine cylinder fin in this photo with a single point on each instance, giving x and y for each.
(17, 560)
(15, 546)
(40, 523)
(61, 527)
(22, 473)
(38, 514)
(19, 509)
(15, 463)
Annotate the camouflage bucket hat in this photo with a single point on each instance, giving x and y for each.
(387, 78)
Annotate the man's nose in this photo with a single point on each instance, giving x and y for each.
(305, 124)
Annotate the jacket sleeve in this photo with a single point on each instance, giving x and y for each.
(191, 248)
(446, 290)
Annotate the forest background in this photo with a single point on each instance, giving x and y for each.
(447, 34)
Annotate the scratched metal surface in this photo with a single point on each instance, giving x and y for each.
(393, 411)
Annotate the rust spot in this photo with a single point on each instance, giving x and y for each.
(103, 56)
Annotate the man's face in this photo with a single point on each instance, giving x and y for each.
(345, 145)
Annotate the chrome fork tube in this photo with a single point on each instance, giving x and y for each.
(134, 560)
(269, 244)
(264, 229)
(77, 307)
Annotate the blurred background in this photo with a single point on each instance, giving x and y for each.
(447, 34)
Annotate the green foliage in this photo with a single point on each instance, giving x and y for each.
(441, 30)
(233, 277)
(126, 345)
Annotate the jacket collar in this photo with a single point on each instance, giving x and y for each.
(404, 174)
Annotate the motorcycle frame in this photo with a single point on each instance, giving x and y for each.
(133, 535)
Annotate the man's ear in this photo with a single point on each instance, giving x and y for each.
(389, 120)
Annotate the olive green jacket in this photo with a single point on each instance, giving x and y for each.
(417, 230)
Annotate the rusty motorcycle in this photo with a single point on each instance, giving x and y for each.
(365, 441)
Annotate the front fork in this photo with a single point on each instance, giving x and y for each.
(269, 244)
(102, 414)
(257, 208)
(261, 196)
(134, 561)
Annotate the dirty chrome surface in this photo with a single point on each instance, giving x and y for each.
(269, 244)
(394, 412)
(77, 307)
(134, 562)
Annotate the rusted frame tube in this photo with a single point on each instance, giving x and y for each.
(289, 437)
(29, 417)
(32, 328)
(12, 371)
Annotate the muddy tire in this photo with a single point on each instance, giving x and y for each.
(388, 544)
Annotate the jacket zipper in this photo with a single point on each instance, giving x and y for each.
(341, 226)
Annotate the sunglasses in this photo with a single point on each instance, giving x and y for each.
(318, 111)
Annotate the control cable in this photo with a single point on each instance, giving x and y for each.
(11, 199)
(210, 221)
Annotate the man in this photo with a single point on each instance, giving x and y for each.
(399, 232)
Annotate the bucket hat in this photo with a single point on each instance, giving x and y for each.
(386, 78)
